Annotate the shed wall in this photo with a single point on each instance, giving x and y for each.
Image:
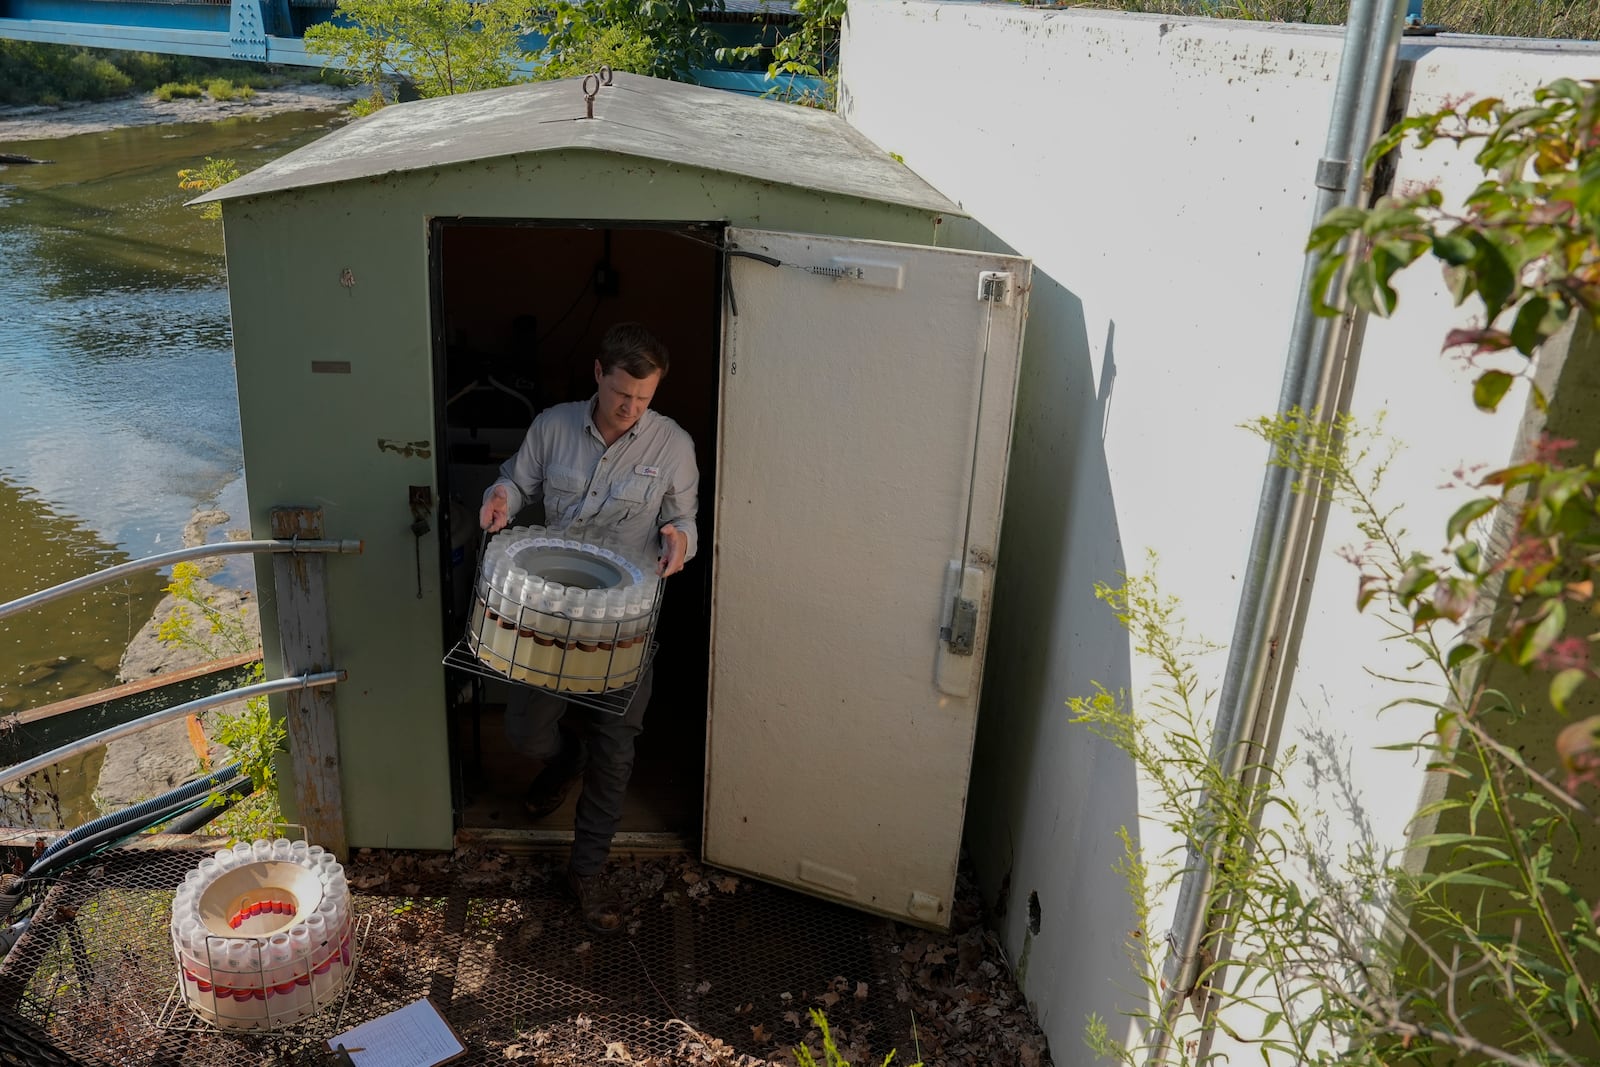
(1159, 173)
(352, 443)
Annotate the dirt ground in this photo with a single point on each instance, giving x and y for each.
(957, 985)
(48, 123)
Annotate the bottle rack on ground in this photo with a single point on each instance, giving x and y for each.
(263, 934)
(562, 614)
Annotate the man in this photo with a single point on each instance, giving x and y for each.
(606, 468)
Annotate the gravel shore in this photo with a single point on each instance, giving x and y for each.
(19, 124)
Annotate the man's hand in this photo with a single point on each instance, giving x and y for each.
(674, 546)
(495, 512)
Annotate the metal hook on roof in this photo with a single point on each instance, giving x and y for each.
(591, 89)
(592, 84)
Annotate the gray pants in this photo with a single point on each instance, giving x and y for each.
(533, 726)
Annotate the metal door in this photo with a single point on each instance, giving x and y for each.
(866, 402)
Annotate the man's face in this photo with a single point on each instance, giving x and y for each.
(622, 398)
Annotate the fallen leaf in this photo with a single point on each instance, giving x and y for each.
(616, 1050)
(581, 947)
(913, 952)
(411, 889)
(745, 1010)
(786, 997)
(198, 742)
(728, 884)
(703, 987)
(759, 1034)
(829, 998)
(583, 1021)
(792, 1018)
(861, 991)
(691, 877)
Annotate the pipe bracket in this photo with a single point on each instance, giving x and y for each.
(1331, 174)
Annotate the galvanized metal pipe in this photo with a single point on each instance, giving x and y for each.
(19, 771)
(180, 555)
(1288, 528)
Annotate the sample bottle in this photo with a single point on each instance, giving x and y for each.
(577, 670)
(612, 650)
(544, 667)
(503, 643)
(483, 626)
(527, 653)
(626, 670)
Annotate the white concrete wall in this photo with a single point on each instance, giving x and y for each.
(1158, 172)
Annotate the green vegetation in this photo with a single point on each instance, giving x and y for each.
(831, 1056)
(457, 46)
(214, 174)
(809, 52)
(452, 46)
(49, 74)
(178, 91)
(226, 89)
(1482, 946)
(671, 30)
(253, 737)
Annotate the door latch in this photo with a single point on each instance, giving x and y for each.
(963, 628)
(421, 499)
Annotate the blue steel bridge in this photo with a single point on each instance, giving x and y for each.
(272, 31)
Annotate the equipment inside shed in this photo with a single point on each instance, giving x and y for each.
(519, 307)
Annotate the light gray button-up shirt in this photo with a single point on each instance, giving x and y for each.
(624, 493)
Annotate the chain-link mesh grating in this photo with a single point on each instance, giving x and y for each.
(705, 956)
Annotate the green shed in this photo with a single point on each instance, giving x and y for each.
(410, 290)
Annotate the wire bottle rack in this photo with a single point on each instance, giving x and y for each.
(570, 618)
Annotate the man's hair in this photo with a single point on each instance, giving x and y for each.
(629, 347)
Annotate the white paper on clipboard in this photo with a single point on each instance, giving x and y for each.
(413, 1036)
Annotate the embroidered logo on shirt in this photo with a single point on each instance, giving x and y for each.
(648, 472)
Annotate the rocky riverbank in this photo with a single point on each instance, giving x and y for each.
(154, 760)
(47, 123)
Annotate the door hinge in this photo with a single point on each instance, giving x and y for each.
(995, 286)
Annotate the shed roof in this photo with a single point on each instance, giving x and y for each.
(635, 116)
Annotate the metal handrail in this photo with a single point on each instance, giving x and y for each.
(18, 771)
(180, 555)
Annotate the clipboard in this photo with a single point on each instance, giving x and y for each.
(416, 1035)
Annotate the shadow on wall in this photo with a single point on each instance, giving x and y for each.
(1047, 798)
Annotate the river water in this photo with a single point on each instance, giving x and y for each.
(118, 409)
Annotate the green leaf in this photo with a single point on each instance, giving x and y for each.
(1490, 389)
(1460, 655)
(1321, 286)
(1564, 684)
(1453, 248)
(1545, 634)
(1363, 288)
(1496, 281)
(1467, 514)
(1528, 330)
(1462, 879)
(1334, 227)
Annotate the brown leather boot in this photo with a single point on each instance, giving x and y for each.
(597, 903)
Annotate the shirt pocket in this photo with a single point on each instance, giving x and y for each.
(563, 496)
(630, 497)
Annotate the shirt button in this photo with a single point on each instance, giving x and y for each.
(595, 493)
